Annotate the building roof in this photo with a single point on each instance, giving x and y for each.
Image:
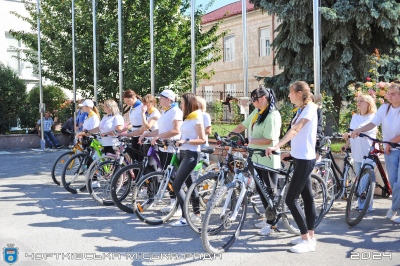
(228, 10)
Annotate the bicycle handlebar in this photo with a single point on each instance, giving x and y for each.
(362, 135)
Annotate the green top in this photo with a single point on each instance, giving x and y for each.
(269, 129)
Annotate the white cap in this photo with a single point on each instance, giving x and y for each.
(88, 103)
(168, 94)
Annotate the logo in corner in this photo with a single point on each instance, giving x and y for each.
(10, 254)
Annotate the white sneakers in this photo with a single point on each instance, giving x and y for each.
(261, 224)
(397, 220)
(391, 213)
(303, 247)
(178, 212)
(180, 222)
(266, 230)
(169, 207)
(195, 218)
(298, 240)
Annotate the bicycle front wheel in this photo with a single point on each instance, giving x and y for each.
(360, 197)
(147, 206)
(73, 176)
(319, 195)
(197, 197)
(58, 166)
(98, 182)
(219, 230)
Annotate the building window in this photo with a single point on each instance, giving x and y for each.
(265, 47)
(210, 54)
(230, 89)
(15, 50)
(229, 48)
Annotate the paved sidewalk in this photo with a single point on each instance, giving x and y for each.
(41, 218)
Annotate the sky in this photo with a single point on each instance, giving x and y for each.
(220, 3)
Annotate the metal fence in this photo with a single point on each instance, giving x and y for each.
(225, 97)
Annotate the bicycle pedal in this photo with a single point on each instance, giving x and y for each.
(275, 229)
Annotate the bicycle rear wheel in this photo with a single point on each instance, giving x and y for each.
(360, 196)
(319, 194)
(146, 206)
(58, 166)
(73, 176)
(330, 182)
(218, 232)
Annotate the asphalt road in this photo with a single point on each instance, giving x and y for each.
(50, 226)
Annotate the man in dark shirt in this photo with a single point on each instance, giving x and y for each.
(68, 129)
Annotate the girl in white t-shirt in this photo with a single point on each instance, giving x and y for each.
(207, 121)
(303, 135)
(389, 116)
(92, 121)
(360, 146)
(169, 126)
(135, 117)
(192, 138)
(111, 122)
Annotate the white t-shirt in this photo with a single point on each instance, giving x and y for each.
(207, 122)
(188, 130)
(107, 124)
(155, 113)
(135, 116)
(165, 123)
(360, 146)
(390, 122)
(303, 144)
(91, 122)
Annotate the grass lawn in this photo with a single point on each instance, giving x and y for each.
(222, 129)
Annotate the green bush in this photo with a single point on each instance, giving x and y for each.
(12, 96)
(53, 97)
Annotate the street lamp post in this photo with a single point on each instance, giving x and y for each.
(152, 75)
(193, 36)
(73, 58)
(120, 52)
(317, 54)
(41, 106)
(94, 53)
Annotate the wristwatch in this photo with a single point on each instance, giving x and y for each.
(187, 141)
(86, 131)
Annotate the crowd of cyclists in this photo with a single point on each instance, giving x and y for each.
(189, 126)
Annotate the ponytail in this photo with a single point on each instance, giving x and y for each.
(96, 111)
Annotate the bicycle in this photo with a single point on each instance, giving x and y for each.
(149, 206)
(338, 183)
(98, 178)
(363, 188)
(73, 176)
(226, 212)
(58, 164)
(125, 179)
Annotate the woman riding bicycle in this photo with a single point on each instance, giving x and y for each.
(264, 125)
(360, 146)
(169, 125)
(135, 117)
(192, 137)
(303, 138)
(389, 116)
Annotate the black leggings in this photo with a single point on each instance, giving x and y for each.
(135, 146)
(301, 185)
(108, 149)
(265, 177)
(189, 160)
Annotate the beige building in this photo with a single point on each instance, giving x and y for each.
(228, 78)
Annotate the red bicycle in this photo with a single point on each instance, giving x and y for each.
(361, 193)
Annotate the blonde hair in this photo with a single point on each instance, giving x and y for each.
(394, 86)
(305, 90)
(113, 106)
(371, 104)
(202, 103)
(149, 99)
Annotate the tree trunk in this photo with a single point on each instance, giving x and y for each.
(332, 121)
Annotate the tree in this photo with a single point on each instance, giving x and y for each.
(53, 97)
(172, 44)
(350, 31)
(12, 96)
